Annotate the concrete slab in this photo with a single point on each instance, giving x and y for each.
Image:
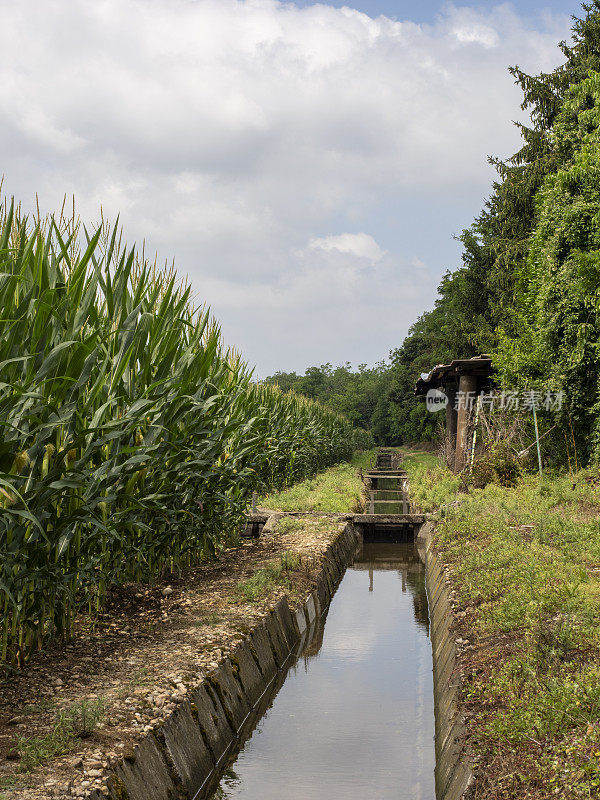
(230, 693)
(284, 615)
(262, 651)
(331, 575)
(280, 645)
(248, 672)
(322, 593)
(212, 720)
(143, 774)
(310, 609)
(190, 756)
(300, 618)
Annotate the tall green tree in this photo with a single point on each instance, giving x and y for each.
(557, 337)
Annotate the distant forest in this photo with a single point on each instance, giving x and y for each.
(367, 396)
(528, 288)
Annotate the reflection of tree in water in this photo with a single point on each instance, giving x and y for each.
(405, 559)
(230, 780)
(416, 581)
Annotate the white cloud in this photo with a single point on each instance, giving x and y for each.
(360, 245)
(273, 151)
(478, 34)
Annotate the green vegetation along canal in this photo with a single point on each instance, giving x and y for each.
(354, 717)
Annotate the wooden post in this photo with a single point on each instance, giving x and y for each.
(451, 420)
(466, 389)
(372, 505)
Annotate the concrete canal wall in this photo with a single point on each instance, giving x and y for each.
(182, 759)
(454, 778)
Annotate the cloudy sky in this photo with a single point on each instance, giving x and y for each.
(306, 165)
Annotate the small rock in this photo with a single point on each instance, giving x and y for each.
(95, 773)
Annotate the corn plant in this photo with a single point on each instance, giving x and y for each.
(131, 439)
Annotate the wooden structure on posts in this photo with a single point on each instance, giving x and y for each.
(461, 381)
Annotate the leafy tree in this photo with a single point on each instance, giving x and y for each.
(361, 394)
(558, 315)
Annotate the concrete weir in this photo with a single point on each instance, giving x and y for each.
(183, 758)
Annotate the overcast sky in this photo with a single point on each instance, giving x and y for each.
(305, 165)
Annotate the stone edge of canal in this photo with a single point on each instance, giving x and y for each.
(191, 748)
(454, 778)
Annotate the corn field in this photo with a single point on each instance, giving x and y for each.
(130, 438)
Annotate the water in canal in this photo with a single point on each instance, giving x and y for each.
(354, 717)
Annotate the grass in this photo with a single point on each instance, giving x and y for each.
(336, 489)
(266, 579)
(78, 721)
(525, 562)
(296, 524)
(431, 485)
(9, 782)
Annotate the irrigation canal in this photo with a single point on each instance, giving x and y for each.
(354, 716)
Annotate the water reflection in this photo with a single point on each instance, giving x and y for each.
(403, 559)
(354, 718)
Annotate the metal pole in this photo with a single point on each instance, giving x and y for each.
(537, 438)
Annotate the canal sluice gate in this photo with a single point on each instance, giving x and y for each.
(329, 701)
